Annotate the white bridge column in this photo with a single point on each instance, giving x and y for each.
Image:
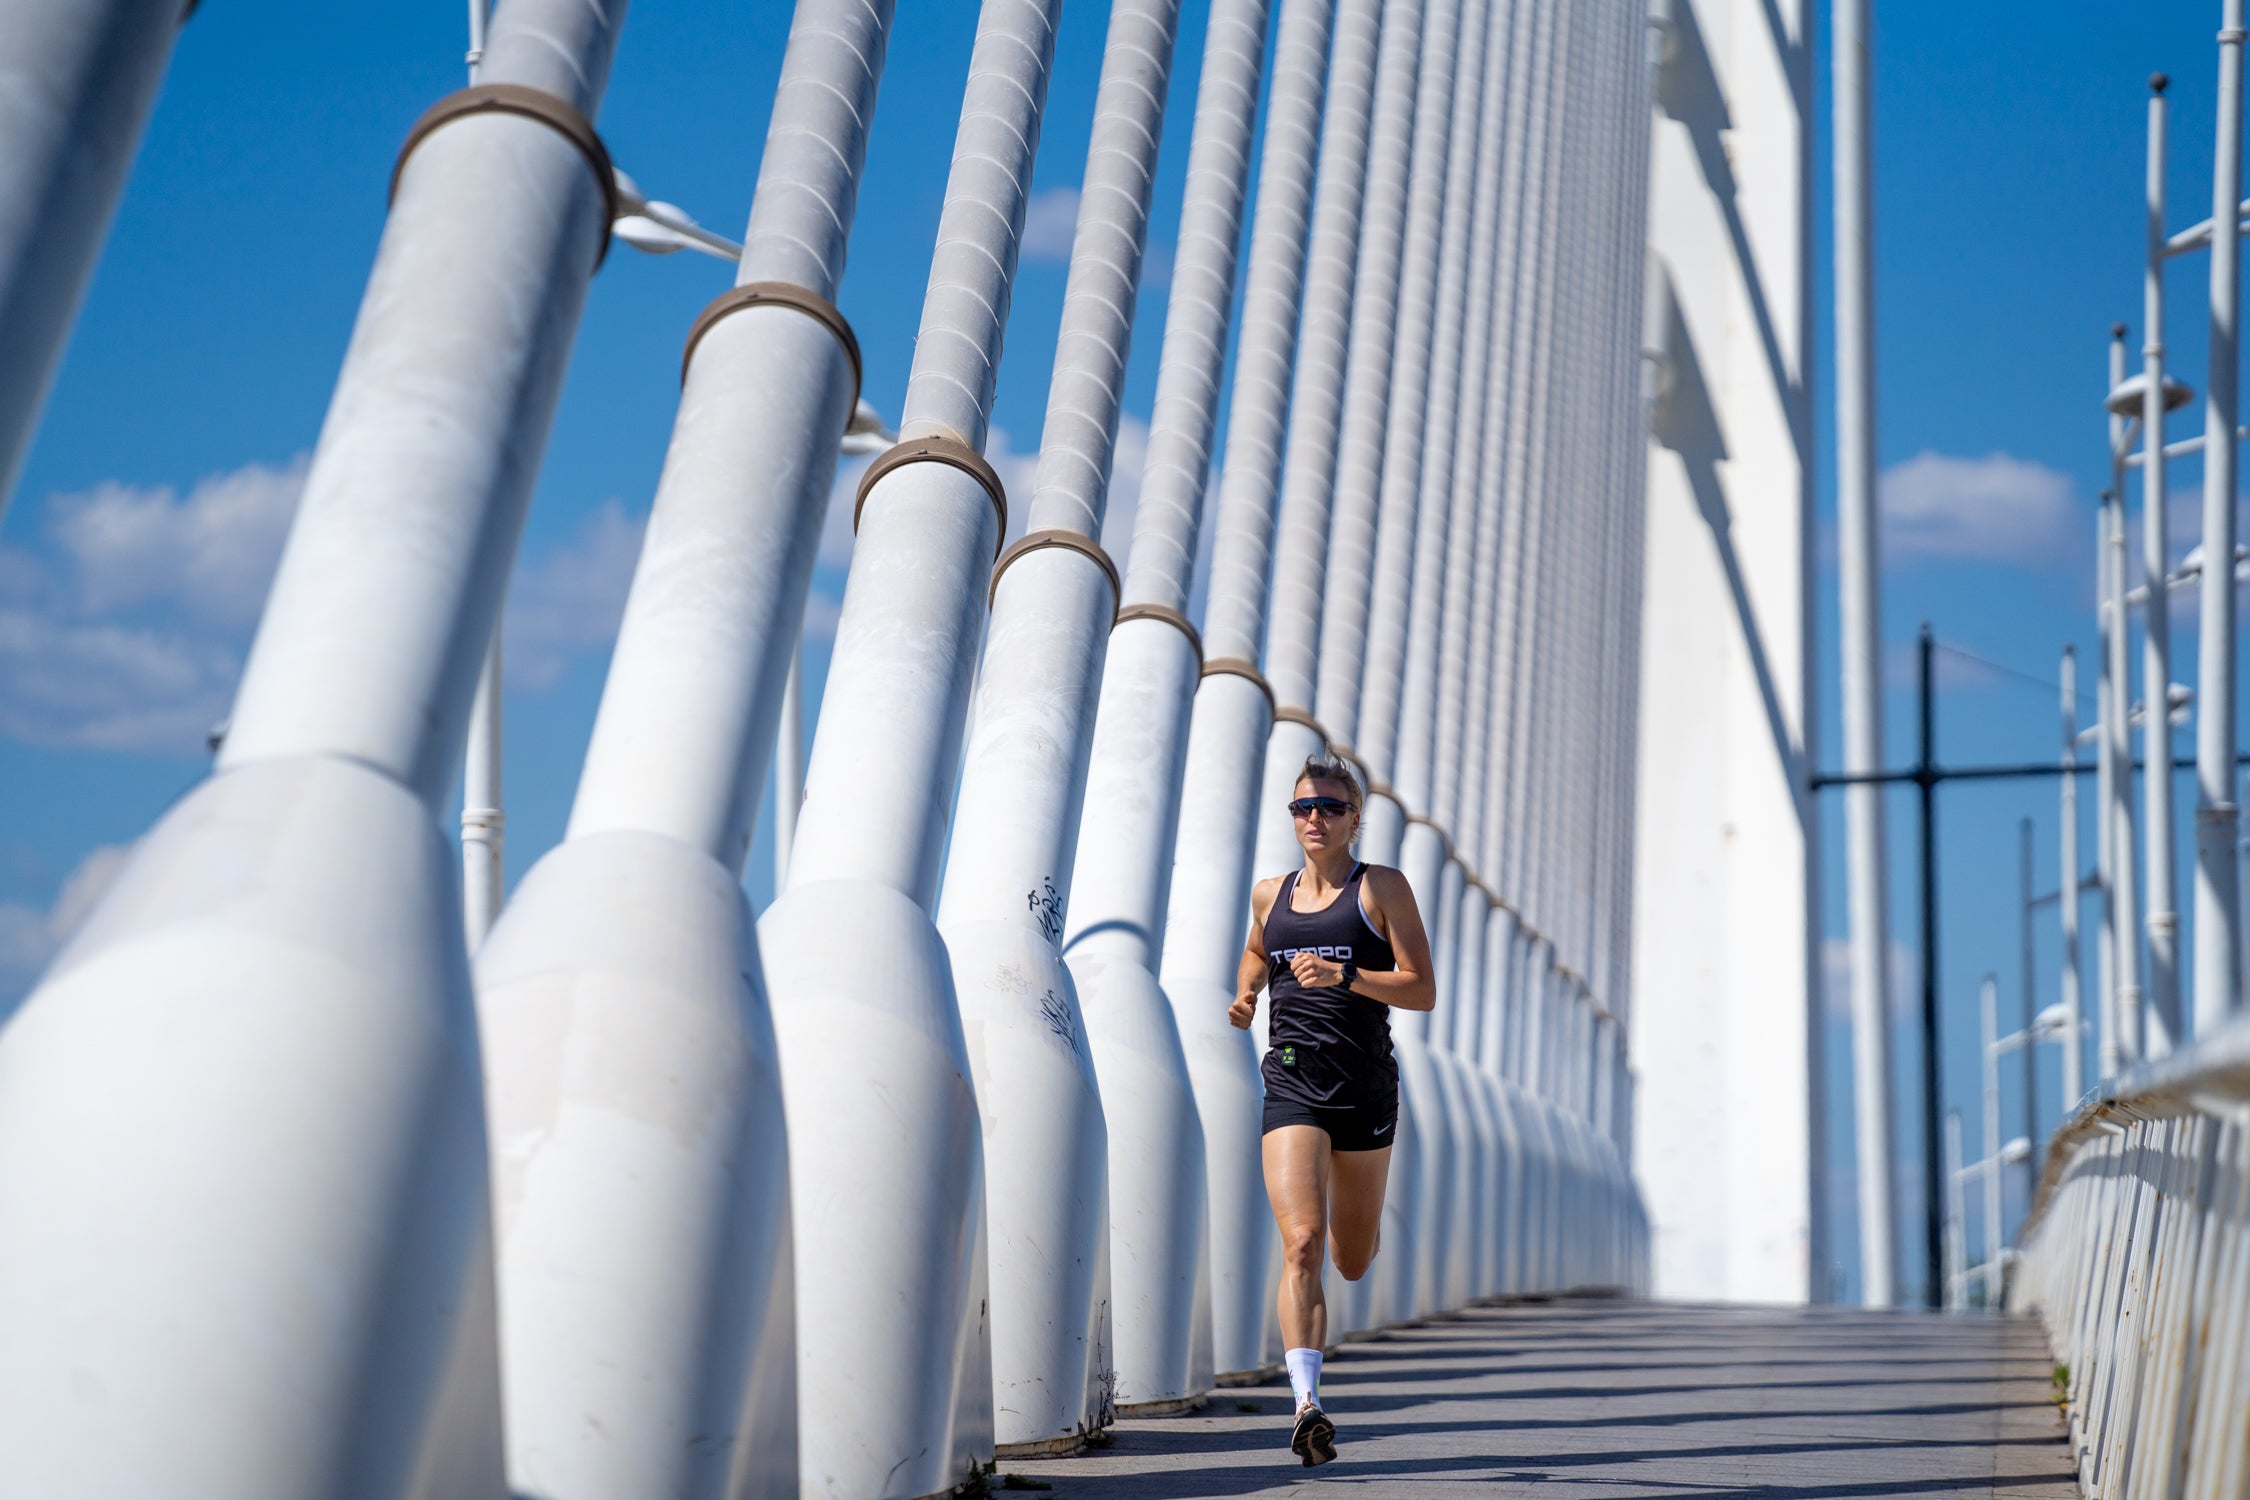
(243, 1186)
(885, 1143)
(1114, 924)
(1222, 787)
(1723, 957)
(78, 80)
(641, 1156)
(1494, 308)
(1325, 640)
(1075, 1264)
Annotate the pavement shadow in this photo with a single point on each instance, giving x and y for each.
(1627, 1399)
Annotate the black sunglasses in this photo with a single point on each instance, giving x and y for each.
(1334, 807)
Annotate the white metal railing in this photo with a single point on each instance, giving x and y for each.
(2137, 1257)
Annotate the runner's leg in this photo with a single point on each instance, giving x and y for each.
(1356, 1180)
(1296, 1161)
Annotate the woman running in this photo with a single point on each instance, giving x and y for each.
(1339, 943)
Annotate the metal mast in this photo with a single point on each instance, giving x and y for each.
(1859, 606)
(2218, 939)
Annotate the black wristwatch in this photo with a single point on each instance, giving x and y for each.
(1351, 973)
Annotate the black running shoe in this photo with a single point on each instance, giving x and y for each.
(1314, 1441)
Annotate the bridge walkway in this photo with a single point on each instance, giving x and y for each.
(1591, 1397)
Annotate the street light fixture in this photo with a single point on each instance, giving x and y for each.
(659, 228)
(2128, 397)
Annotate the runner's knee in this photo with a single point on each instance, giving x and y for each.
(1301, 1246)
(1352, 1261)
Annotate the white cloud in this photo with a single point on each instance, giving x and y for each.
(127, 627)
(30, 938)
(213, 552)
(128, 632)
(570, 599)
(1050, 222)
(1992, 509)
(99, 686)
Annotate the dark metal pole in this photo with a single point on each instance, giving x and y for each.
(1933, 1167)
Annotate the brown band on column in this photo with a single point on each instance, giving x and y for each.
(775, 294)
(1235, 666)
(937, 450)
(1032, 541)
(1169, 616)
(1299, 716)
(533, 104)
(1445, 840)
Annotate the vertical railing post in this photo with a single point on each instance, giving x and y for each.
(483, 818)
(2027, 958)
(1956, 1218)
(2156, 634)
(789, 766)
(2073, 1062)
(2218, 936)
(1995, 1240)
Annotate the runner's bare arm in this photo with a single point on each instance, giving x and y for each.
(1389, 902)
(1250, 974)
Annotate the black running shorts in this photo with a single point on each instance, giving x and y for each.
(1351, 1127)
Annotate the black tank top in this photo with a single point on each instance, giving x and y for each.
(1327, 1046)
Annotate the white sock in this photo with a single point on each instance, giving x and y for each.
(1304, 1374)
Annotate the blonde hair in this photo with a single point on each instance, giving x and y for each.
(1329, 766)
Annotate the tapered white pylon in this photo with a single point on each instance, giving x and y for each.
(1057, 1320)
(884, 1135)
(1115, 927)
(78, 79)
(640, 1153)
(1207, 909)
(246, 1098)
(1413, 89)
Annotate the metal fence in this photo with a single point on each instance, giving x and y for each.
(2137, 1257)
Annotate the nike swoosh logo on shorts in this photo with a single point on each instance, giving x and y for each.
(1378, 1130)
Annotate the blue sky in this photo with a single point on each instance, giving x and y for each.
(2009, 162)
